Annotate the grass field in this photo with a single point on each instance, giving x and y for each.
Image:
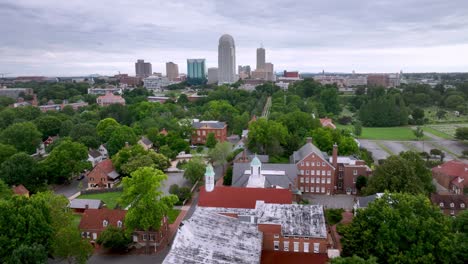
(436, 132)
(384, 133)
(109, 198)
(445, 130)
(173, 215)
(450, 117)
(76, 219)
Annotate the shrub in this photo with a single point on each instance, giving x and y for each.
(333, 216)
(345, 120)
(228, 177)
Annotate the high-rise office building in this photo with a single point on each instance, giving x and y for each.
(196, 72)
(172, 71)
(260, 58)
(226, 60)
(143, 69)
(212, 75)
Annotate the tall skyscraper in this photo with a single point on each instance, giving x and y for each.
(172, 71)
(196, 72)
(212, 75)
(226, 60)
(260, 58)
(143, 69)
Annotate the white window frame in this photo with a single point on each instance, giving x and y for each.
(286, 246)
(307, 164)
(312, 172)
(441, 204)
(307, 179)
(276, 245)
(302, 189)
(318, 173)
(316, 247)
(307, 188)
(328, 180)
(105, 223)
(317, 189)
(462, 205)
(312, 180)
(323, 180)
(323, 164)
(452, 205)
(119, 224)
(324, 173)
(354, 172)
(296, 246)
(302, 163)
(307, 172)
(306, 247)
(276, 235)
(323, 189)
(302, 179)
(312, 163)
(302, 172)
(329, 173)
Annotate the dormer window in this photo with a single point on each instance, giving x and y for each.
(452, 205)
(462, 205)
(105, 223)
(119, 224)
(441, 204)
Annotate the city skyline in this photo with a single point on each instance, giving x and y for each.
(55, 38)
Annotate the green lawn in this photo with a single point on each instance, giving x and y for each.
(436, 132)
(76, 219)
(109, 198)
(384, 133)
(445, 130)
(173, 215)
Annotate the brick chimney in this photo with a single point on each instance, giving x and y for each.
(309, 140)
(335, 156)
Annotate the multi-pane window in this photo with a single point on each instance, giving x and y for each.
(323, 189)
(317, 189)
(323, 164)
(302, 179)
(316, 247)
(296, 246)
(324, 173)
(286, 245)
(307, 163)
(302, 189)
(329, 173)
(323, 180)
(328, 180)
(313, 163)
(312, 172)
(302, 172)
(306, 247)
(276, 245)
(307, 179)
(354, 172)
(307, 188)
(312, 180)
(307, 172)
(318, 173)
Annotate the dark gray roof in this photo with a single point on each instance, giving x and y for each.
(94, 153)
(82, 203)
(364, 201)
(304, 151)
(239, 179)
(209, 124)
(251, 155)
(113, 175)
(146, 141)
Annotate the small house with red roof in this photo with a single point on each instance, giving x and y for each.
(103, 176)
(450, 204)
(327, 122)
(95, 221)
(20, 190)
(452, 175)
(163, 132)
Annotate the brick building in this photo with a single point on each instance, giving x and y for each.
(291, 74)
(203, 128)
(103, 175)
(94, 221)
(378, 80)
(451, 204)
(349, 169)
(109, 98)
(452, 175)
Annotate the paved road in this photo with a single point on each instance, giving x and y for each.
(71, 188)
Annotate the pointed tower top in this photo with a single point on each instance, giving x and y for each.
(255, 161)
(209, 170)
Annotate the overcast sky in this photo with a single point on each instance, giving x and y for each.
(77, 37)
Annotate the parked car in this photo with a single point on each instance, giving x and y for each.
(80, 177)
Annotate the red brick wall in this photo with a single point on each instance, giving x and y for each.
(270, 235)
(199, 138)
(313, 161)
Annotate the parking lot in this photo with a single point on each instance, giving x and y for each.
(331, 201)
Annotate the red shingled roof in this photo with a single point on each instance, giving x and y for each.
(235, 197)
(20, 190)
(93, 218)
(280, 257)
(453, 168)
(102, 169)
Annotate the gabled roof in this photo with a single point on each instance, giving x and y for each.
(209, 124)
(93, 218)
(94, 153)
(456, 199)
(20, 190)
(146, 141)
(453, 168)
(306, 150)
(85, 204)
(104, 168)
(234, 197)
(327, 122)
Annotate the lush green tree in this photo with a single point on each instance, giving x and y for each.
(453, 101)
(119, 138)
(20, 169)
(361, 182)
(394, 229)
(329, 99)
(299, 122)
(461, 133)
(441, 114)
(354, 260)
(333, 216)
(418, 114)
(23, 136)
(266, 136)
(6, 151)
(418, 132)
(65, 128)
(403, 173)
(68, 245)
(105, 128)
(131, 158)
(211, 140)
(6, 101)
(149, 205)
(357, 128)
(5, 191)
(85, 133)
(384, 111)
(23, 221)
(115, 239)
(30, 254)
(194, 170)
(219, 154)
(66, 160)
(48, 125)
(182, 193)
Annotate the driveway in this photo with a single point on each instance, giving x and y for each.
(70, 189)
(331, 201)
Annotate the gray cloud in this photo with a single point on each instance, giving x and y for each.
(53, 37)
